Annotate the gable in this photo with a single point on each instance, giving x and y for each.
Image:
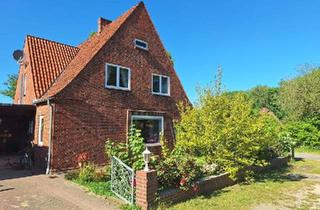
(89, 84)
(117, 48)
(88, 51)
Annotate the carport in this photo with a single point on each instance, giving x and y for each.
(16, 127)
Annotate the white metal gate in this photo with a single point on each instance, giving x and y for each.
(122, 180)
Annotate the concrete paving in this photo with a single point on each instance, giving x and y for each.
(19, 189)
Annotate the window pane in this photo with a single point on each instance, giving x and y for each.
(41, 125)
(141, 44)
(164, 85)
(124, 78)
(112, 75)
(150, 130)
(156, 84)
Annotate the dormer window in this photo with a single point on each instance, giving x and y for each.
(117, 77)
(141, 44)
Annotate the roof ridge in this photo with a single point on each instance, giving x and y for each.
(44, 39)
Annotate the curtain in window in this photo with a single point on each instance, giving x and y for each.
(124, 78)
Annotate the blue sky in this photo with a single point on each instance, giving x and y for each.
(256, 42)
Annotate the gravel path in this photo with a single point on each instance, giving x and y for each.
(308, 156)
(19, 190)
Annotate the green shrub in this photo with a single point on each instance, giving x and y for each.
(167, 173)
(177, 170)
(226, 131)
(87, 173)
(131, 153)
(102, 174)
(71, 175)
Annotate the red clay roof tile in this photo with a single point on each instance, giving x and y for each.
(47, 59)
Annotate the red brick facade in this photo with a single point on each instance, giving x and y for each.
(86, 114)
(25, 71)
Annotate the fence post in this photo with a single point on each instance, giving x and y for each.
(146, 188)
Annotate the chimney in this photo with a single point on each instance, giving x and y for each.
(102, 23)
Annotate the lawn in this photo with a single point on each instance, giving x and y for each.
(98, 188)
(273, 190)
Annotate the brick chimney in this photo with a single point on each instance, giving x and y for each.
(102, 23)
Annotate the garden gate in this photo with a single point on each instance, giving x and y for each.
(122, 180)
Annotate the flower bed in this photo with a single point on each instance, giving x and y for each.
(212, 183)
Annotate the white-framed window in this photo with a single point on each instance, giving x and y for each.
(152, 127)
(141, 44)
(117, 77)
(40, 130)
(160, 85)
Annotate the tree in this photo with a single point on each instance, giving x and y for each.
(11, 85)
(170, 57)
(299, 97)
(266, 97)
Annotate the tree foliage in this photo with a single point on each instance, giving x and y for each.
(266, 97)
(299, 97)
(224, 129)
(170, 57)
(11, 85)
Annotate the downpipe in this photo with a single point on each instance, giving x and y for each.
(48, 170)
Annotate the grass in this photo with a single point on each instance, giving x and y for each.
(102, 189)
(274, 188)
(98, 188)
(307, 150)
(306, 166)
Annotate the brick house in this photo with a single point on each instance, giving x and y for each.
(94, 91)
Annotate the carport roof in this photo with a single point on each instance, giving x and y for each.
(17, 109)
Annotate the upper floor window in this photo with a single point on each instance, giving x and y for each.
(141, 44)
(117, 77)
(160, 84)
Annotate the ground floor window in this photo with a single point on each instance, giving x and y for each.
(151, 127)
(40, 130)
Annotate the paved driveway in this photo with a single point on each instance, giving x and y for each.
(20, 190)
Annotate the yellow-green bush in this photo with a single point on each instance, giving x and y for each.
(224, 129)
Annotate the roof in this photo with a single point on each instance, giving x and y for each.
(47, 59)
(54, 65)
(16, 110)
(87, 51)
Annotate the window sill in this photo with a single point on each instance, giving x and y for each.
(152, 145)
(160, 94)
(117, 88)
